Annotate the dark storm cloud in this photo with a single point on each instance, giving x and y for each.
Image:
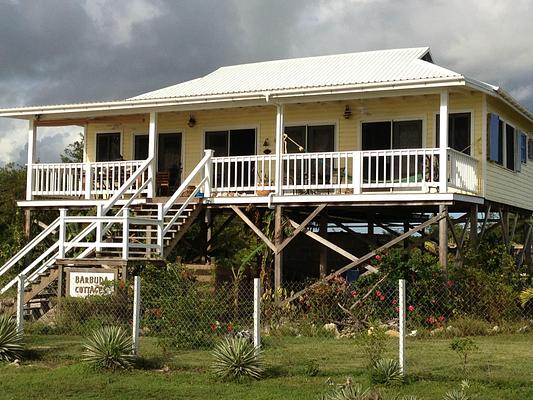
(57, 51)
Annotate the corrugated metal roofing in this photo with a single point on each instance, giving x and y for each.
(311, 72)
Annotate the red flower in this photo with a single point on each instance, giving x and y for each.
(449, 283)
(229, 328)
(397, 309)
(394, 301)
(431, 320)
(411, 308)
(214, 327)
(441, 318)
(378, 258)
(382, 298)
(353, 293)
(378, 293)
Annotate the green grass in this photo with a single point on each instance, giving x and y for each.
(502, 369)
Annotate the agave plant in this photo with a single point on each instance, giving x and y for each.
(349, 391)
(11, 346)
(109, 347)
(236, 359)
(387, 372)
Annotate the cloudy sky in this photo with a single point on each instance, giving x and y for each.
(57, 51)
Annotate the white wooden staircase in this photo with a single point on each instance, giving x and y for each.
(127, 227)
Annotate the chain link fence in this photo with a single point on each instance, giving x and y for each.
(179, 312)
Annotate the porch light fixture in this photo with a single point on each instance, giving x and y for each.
(347, 112)
(266, 145)
(192, 121)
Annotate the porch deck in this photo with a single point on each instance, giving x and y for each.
(331, 176)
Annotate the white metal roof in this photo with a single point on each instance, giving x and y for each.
(256, 83)
(311, 72)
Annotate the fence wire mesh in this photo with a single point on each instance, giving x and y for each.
(181, 312)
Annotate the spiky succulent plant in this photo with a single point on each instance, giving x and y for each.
(109, 347)
(387, 372)
(236, 359)
(11, 340)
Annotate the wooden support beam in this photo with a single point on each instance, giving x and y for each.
(527, 244)
(301, 227)
(443, 238)
(513, 231)
(257, 231)
(323, 259)
(504, 223)
(220, 229)
(278, 255)
(484, 225)
(116, 119)
(371, 254)
(473, 226)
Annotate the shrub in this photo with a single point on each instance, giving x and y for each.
(312, 368)
(109, 347)
(235, 359)
(373, 344)
(463, 348)
(11, 346)
(458, 394)
(386, 372)
(471, 326)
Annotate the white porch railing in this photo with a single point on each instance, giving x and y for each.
(344, 172)
(462, 171)
(98, 179)
(403, 168)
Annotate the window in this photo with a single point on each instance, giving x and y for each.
(523, 147)
(108, 147)
(233, 142)
(458, 132)
(506, 146)
(312, 138)
(495, 126)
(141, 147)
(392, 135)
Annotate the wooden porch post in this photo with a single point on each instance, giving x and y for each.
(443, 239)
(443, 142)
(32, 138)
(323, 249)
(279, 149)
(152, 153)
(278, 256)
(473, 226)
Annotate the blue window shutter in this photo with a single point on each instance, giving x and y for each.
(494, 138)
(530, 148)
(523, 147)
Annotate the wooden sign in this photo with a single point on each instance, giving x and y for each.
(83, 282)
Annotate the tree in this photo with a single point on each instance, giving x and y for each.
(74, 151)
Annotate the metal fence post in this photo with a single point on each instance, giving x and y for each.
(401, 324)
(257, 314)
(20, 303)
(136, 314)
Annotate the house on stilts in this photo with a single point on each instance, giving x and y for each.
(385, 139)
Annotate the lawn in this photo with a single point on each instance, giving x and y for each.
(501, 369)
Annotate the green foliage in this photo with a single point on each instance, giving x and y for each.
(386, 372)
(526, 296)
(372, 344)
(312, 368)
(81, 315)
(235, 359)
(109, 347)
(185, 314)
(466, 326)
(458, 394)
(11, 341)
(73, 153)
(348, 391)
(463, 348)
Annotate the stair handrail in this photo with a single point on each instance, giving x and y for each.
(169, 224)
(55, 224)
(29, 246)
(204, 164)
(122, 190)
